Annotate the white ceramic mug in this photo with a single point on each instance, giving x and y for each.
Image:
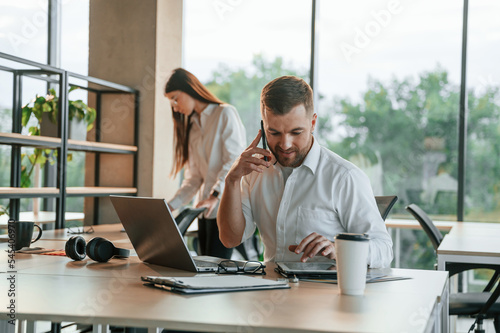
(352, 255)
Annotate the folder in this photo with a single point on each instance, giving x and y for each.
(212, 283)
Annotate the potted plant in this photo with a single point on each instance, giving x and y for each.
(43, 109)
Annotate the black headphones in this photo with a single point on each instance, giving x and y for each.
(98, 249)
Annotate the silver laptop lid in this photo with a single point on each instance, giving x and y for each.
(153, 232)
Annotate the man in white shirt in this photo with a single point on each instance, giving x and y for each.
(305, 194)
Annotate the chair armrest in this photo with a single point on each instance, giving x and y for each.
(455, 267)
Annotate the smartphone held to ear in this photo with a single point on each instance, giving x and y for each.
(263, 134)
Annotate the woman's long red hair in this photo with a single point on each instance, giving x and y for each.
(186, 82)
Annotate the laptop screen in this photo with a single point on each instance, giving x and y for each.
(153, 231)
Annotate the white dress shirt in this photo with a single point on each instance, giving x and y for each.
(326, 194)
(216, 139)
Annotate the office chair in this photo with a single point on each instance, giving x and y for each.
(385, 203)
(186, 217)
(482, 305)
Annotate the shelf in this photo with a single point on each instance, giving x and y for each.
(101, 147)
(31, 141)
(50, 142)
(121, 154)
(42, 217)
(30, 192)
(50, 192)
(98, 191)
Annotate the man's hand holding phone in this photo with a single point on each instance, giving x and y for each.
(247, 162)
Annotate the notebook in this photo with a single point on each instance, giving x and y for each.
(155, 236)
(212, 283)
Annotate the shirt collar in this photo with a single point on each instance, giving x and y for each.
(196, 117)
(312, 159)
(209, 109)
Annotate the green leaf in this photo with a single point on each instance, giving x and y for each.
(90, 118)
(40, 100)
(41, 160)
(34, 130)
(70, 157)
(46, 107)
(80, 115)
(32, 159)
(26, 114)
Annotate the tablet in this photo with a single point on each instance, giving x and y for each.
(307, 268)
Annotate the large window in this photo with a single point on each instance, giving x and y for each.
(236, 47)
(24, 33)
(390, 92)
(389, 79)
(482, 190)
(23, 29)
(75, 36)
(75, 58)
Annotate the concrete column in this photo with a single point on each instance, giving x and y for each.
(138, 43)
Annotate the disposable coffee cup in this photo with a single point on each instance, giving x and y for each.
(352, 255)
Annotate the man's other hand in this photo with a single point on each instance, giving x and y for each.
(313, 245)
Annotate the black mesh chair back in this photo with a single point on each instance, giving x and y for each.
(425, 221)
(186, 217)
(385, 203)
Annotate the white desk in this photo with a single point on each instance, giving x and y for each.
(58, 289)
(470, 242)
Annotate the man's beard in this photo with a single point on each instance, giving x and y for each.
(293, 161)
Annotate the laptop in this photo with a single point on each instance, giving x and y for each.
(155, 236)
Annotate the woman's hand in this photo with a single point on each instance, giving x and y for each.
(209, 204)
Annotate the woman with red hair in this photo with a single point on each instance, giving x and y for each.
(208, 137)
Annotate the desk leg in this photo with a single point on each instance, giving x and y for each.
(25, 326)
(55, 328)
(445, 309)
(30, 326)
(397, 250)
(441, 263)
(154, 330)
(98, 328)
(6, 327)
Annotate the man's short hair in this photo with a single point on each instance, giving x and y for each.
(284, 93)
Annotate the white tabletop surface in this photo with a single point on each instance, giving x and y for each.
(58, 289)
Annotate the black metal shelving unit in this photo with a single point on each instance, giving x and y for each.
(62, 144)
